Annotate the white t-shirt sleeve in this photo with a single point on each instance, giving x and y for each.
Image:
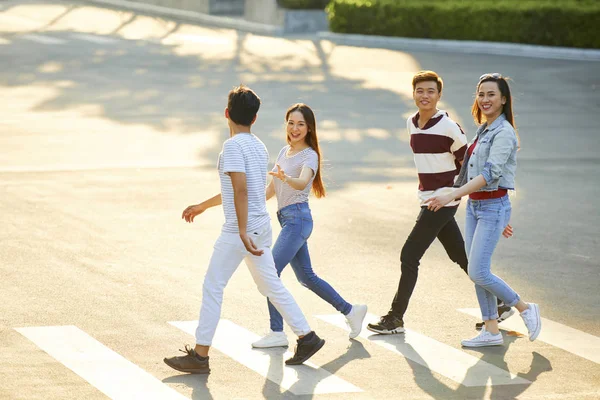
(312, 161)
(233, 159)
(460, 139)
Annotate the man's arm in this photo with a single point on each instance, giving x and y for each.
(196, 209)
(240, 200)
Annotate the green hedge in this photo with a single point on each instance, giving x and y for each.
(570, 23)
(304, 4)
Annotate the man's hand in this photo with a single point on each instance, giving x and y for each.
(508, 231)
(250, 246)
(190, 212)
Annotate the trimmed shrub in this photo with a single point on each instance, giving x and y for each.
(303, 4)
(570, 23)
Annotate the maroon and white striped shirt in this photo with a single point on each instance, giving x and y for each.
(438, 148)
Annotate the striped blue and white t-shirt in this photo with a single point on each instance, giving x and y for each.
(245, 153)
(292, 166)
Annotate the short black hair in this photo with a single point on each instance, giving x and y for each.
(243, 105)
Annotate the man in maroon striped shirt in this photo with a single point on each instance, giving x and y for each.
(439, 145)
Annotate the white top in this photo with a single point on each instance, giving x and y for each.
(292, 166)
(438, 148)
(244, 153)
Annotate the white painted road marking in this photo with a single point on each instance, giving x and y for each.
(236, 343)
(108, 371)
(443, 359)
(556, 334)
(42, 39)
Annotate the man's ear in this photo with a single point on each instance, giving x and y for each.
(226, 113)
(254, 119)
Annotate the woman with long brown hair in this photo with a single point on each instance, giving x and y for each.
(487, 174)
(296, 173)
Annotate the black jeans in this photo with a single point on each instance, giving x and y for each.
(429, 225)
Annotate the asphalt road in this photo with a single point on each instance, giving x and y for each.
(110, 125)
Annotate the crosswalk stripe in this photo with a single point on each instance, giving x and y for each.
(235, 342)
(108, 371)
(441, 358)
(94, 38)
(556, 334)
(42, 39)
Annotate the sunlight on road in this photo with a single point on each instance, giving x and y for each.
(55, 97)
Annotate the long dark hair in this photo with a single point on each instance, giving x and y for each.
(507, 108)
(312, 141)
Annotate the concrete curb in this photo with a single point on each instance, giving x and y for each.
(449, 46)
(192, 16)
(464, 46)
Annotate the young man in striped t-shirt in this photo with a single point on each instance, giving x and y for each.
(439, 145)
(246, 235)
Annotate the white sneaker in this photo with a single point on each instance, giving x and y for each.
(272, 339)
(484, 339)
(355, 319)
(532, 320)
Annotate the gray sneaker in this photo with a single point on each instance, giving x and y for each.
(532, 320)
(191, 362)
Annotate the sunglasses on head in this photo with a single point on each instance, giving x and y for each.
(494, 75)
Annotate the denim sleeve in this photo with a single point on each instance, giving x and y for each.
(503, 145)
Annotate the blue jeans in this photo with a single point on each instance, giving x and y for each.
(486, 219)
(291, 248)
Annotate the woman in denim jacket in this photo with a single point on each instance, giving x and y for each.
(298, 170)
(487, 174)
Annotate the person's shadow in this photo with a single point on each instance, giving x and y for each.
(272, 388)
(431, 385)
(198, 383)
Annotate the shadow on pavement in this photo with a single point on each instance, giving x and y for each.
(198, 383)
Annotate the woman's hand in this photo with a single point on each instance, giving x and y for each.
(279, 174)
(437, 202)
(508, 231)
(192, 211)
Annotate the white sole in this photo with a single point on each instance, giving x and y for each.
(270, 346)
(394, 331)
(486, 344)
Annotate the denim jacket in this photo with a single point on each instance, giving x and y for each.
(494, 157)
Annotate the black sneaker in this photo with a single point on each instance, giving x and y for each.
(306, 347)
(504, 313)
(387, 325)
(191, 362)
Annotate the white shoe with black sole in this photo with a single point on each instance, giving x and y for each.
(387, 325)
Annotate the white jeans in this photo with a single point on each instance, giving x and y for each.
(228, 253)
